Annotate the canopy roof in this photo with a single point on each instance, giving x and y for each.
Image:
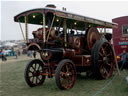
(59, 13)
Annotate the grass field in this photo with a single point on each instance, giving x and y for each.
(13, 83)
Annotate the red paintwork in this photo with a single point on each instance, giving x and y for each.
(117, 34)
(69, 53)
(39, 34)
(82, 60)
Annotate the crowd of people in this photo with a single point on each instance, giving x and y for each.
(17, 53)
(31, 54)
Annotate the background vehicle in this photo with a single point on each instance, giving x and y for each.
(68, 44)
(120, 35)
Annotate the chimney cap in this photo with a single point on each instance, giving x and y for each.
(51, 6)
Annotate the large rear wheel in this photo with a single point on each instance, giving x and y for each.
(102, 59)
(65, 74)
(32, 73)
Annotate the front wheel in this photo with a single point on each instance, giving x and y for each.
(32, 73)
(65, 74)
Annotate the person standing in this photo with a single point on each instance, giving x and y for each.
(34, 54)
(127, 79)
(123, 63)
(16, 54)
(29, 53)
(3, 56)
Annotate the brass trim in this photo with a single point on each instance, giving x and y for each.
(63, 52)
(73, 52)
(44, 34)
(65, 33)
(26, 29)
(51, 27)
(22, 31)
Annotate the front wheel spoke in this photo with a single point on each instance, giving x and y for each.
(30, 76)
(38, 67)
(33, 68)
(30, 71)
(36, 80)
(41, 70)
(33, 80)
(39, 79)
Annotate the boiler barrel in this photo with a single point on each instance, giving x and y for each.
(57, 54)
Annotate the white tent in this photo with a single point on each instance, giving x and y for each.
(10, 44)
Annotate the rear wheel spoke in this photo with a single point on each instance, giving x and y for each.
(67, 69)
(100, 61)
(62, 73)
(100, 54)
(63, 82)
(103, 50)
(109, 54)
(105, 71)
(106, 47)
(108, 64)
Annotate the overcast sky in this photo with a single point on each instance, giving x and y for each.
(104, 10)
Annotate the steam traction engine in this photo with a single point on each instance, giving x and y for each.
(68, 44)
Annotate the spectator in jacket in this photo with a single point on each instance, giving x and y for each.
(123, 63)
